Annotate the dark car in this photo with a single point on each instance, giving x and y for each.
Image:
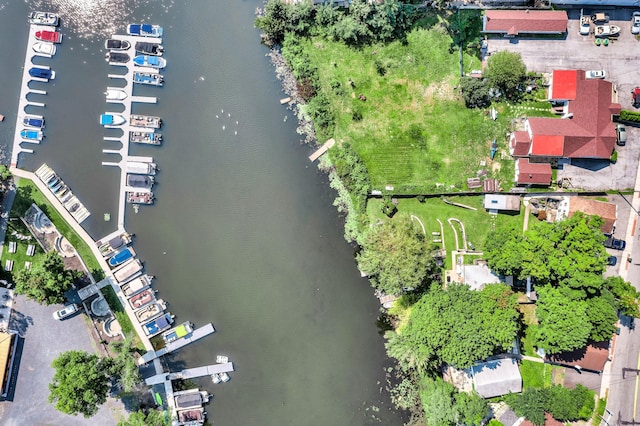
(612, 260)
(614, 243)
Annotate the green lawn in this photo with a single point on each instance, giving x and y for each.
(27, 189)
(20, 256)
(535, 374)
(478, 223)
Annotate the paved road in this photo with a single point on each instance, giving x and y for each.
(43, 340)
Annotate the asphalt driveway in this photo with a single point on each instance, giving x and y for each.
(43, 339)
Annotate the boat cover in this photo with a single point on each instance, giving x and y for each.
(116, 242)
(188, 400)
(106, 119)
(35, 122)
(147, 28)
(118, 57)
(139, 181)
(40, 73)
(146, 47)
(134, 28)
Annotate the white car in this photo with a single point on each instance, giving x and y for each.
(66, 312)
(635, 23)
(595, 74)
(585, 25)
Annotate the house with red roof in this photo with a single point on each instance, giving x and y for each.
(534, 174)
(514, 22)
(586, 129)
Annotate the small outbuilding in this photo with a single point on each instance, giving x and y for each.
(499, 202)
(528, 173)
(497, 377)
(514, 22)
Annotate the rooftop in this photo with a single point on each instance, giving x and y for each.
(514, 22)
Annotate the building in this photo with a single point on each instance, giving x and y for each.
(497, 377)
(607, 211)
(515, 22)
(527, 173)
(590, 358)
(8, 345)
(599, 3)
(586, 130)
(499, 202)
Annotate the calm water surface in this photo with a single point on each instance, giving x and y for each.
(243, 233)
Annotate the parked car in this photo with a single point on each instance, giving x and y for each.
(621, 131)
(595, 74)
(614, 243)
(65, 312)
(612, 260)
(585, 25)
(635, 23)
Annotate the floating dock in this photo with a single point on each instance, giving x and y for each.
(324, 148)
(63, 193)
(191, 373)
(197, 334)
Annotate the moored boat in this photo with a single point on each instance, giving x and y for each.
(140, 181)
(113, 44)
(115, 95)
(33, 121)
(148, 121)
(141, 299)
(43, 18)
(150, 61)
(136, 285)
(50, 36)
(110, 119)
(150, 78)
(42, 73)
(222, 359)
(140, 197)
(158, 325)
(149, 312)
(149, 48)
(176, 333)
(116, 58)
(44, 49)
(121, 257)
(31, 134)
(144, 30)
(606, 30)
(151, 138)
(140, 168)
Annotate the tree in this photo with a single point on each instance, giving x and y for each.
(80, 383)
(472, 408)
(564, 324)
(275, 22)
(475, 92)
(125, 367)
(530, 404)
(602, 316)
(458, 326)
(438, 402)
(395, 256)
(151, 418)
(505, 71)
(46, 281)
(625, 296)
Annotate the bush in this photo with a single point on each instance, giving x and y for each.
(631, 116)
(614, 156)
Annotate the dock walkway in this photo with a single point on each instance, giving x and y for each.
(324, 148)
(191, 373)
(197, 334)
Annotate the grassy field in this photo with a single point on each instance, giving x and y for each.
(415, 131)
(535, 374)
(20, 256)
(478, 223)
(33, 195)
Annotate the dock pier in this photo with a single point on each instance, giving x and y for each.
(324, 148)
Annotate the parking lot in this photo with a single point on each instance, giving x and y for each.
(43, 339)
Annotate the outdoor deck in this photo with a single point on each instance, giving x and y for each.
(197, 334)
(191, 373)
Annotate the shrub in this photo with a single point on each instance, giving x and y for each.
(632, 116)
(614, 156)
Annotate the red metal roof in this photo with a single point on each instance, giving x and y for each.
(564, 84)
(533, 173)
(514, 22)
(547, 145)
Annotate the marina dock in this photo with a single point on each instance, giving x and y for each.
(191, 373)
(324, 148)
(177, 344)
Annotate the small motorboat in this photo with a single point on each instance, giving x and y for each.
(140, 181)
(121, 257)
(224, 377)
(151, 138)
(215, 378)
(140, 197)
(113, 44)
(42, 48)
(149, 312)
(149, 48)
(43, 73)
(30, 134)
(50, 36)
(150, 78)
(44, 18)
(148, 121)
(176, 333)
(33, 121)
(607, 30)
(157, 325)
(222, 359)
(141, 299)
(116, 57)
(115, 95)
(150, 61)
(109, 119)
(144, 30)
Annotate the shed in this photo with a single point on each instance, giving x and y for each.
(500, 202)
(497, 377)
(514, 22)
(528, 173)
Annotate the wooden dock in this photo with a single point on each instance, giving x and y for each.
(191, 373)
(197, 334)
(324, 148)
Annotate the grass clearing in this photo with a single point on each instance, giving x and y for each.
(478, 223)
(121, 315)
(535, 374)
(20, 256)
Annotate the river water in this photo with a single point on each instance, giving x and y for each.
(243, 233)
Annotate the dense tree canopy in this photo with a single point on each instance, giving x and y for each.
(456, 326)
(46, 281)
(444, 406)
(474, 92)
(506, 71)
(80, 383)
(395, 255)
(151, 418)
(625, 296)
(562, 403)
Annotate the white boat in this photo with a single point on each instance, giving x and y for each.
(43, 18)
(224, 377)
(215, 378)
(115, 95)
(607, 30)
(46, 49)
(144, 30)
(111, 119)
(222, 359)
